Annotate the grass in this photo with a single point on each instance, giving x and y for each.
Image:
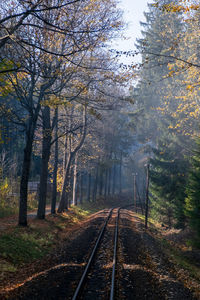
(19, 245)
(9, 205)
(7, 212)
(6, 267)
(22, 248)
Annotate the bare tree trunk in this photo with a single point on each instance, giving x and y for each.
(120, 174)
(64, 195)
(101, 182)
(55, 169)
(95, 186)
(105, 183)
(46, 148)
(65, 155)
(26, 168)
(74, 199)
(147, 197)
(89, 187)
(81, 188)
(141, 205)
(134, 190)
(114, 179)
(70, 186)
(24, 181)
(109, 180)
(33, 117)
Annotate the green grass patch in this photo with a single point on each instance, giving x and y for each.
(152, 224)
(82, 212)
(7, 211)
(9, 204)
(24, 247)
(6, 267)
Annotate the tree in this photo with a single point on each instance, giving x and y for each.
(49, 49)
(156, 100)
(192, 206)
(71, 156)
(168, 177)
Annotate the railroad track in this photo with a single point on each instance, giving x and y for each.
(81, 291)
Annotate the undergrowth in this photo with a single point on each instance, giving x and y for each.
(179, 258)
(22, 245)
(174, 251)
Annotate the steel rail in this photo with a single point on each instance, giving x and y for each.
(83, 277)
(112, 290)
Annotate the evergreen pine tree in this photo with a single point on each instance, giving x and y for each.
(168, 181)
(192, 206)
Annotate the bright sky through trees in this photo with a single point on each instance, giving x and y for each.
(133, 14)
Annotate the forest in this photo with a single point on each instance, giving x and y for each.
(80, 128)
(63, 108)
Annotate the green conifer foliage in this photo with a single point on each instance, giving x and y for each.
(192, 206)
(168, 181)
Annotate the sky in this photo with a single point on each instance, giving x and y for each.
(133, 14)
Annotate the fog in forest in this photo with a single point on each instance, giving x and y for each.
(85, 125)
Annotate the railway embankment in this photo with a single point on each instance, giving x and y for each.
(149, 263)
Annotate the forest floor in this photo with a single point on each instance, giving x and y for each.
(46, 259)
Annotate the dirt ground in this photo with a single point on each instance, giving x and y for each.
(144, 270)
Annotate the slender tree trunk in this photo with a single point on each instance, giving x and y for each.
(134, 190)
(70, 186)
(81, 188)
(94, 195)
(65, 155)
(105, 184)
(26, 168)
(46, 148)
(109, 180)
(114, 179)
(120, 174)
(24, 181)
(55, 169)
(101, 182)
(141, 205)
(147, 197)
(89, 187)
(64, 195)
(74, 199)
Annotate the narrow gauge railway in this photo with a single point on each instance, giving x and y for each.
(95, 283)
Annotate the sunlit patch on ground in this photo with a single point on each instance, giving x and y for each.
(60, 266)
(108, 266)
(133, 267)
